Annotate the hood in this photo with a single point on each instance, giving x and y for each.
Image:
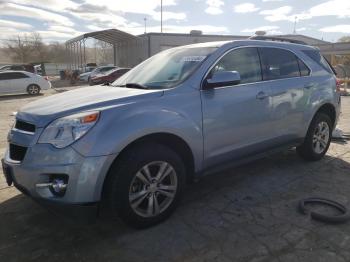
(43, 111)
(85, 74)
(98, 76)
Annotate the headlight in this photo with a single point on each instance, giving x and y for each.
(64, 131)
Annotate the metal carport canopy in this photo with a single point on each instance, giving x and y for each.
(111, 36)
(76, 46)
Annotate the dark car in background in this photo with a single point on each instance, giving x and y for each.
(24, 67)
(108, 77)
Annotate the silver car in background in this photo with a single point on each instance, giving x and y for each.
(181, 114)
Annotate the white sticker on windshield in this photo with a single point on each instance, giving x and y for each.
(192, 58)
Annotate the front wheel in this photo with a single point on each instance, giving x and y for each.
(145, 185)
(318, 138)
(33, 90)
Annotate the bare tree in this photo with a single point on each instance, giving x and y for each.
(57, 53)
(27, 48)
(20, 48)
(105, 52)
(39, 49)
(344, 59)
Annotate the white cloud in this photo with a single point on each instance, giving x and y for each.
(170, 28)
(245, 8)
(169, 16)
(62, 29)
(11, 9)
(301, 29)
(214, 7)
(273, 0)
(268, 29)
(54, 5)
(11, 24)
(277, 14)
(58, 35)
(132, 6)
(336, 29)
(338, 8)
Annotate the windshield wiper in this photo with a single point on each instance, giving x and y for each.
(133, 85)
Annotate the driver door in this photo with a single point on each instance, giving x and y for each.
(236, 118)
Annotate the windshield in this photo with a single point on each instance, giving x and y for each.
(166, 69)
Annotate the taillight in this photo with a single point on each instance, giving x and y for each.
(338, 84)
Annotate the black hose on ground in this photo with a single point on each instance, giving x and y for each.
(345, 216)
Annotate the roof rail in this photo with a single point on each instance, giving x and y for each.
(280, 39)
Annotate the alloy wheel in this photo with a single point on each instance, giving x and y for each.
(321, 137)
(153, 189)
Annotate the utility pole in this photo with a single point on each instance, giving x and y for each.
(161, 16)
(295, 25)
(145, 19)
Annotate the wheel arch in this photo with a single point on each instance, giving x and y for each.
(329, 110)
(174, 142)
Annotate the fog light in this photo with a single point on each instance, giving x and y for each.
(58, 187)
(58, 184)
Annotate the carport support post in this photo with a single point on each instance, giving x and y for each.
(115, 54)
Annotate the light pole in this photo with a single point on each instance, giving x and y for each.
(145, 19)
(295, 25)
(161, 16)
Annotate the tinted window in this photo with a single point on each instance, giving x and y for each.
(278, 63)
(16, 67)
(304, 70)
(319, 59)
(104, 69)
(243, 60)
(15, 75)
(4, 76)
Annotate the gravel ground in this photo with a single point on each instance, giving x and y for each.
(243, 214)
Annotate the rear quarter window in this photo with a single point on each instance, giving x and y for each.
(318, 59)
(304, 70)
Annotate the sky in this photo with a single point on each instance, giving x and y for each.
(59, 20)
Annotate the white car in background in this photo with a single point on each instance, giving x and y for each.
(98, 70)
(19, 82)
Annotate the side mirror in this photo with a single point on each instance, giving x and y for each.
(222, 78)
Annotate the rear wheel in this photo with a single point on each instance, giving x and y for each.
(145, 185)
(33, 89)
(318, 138)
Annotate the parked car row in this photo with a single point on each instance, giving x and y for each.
(86, 76)
(108, 77)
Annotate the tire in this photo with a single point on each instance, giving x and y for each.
(309, 149)
(124, 185)
(33, 89)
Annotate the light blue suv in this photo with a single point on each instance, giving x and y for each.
(181, 114)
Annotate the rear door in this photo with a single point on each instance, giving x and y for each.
(5, 83)
(288, 80)
(19, 82)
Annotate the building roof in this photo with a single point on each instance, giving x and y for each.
(110, 36)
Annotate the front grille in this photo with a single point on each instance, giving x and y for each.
(17, 153)
(24, 126)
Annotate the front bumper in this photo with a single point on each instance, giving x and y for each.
(85, 183)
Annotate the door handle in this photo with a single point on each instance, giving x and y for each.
(309, 85)
(261, 95)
